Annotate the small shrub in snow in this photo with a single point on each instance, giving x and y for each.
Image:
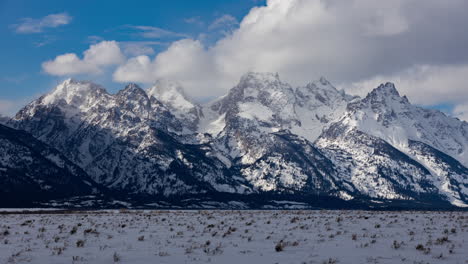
(330, 261)
(116, 257)
(442, 240)
(90, 231)
(421, 247)
(80, 243)
(279, 246)
(396, 244)
(294, 219)
(27, 222)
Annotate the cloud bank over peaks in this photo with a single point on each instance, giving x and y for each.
(419, 45)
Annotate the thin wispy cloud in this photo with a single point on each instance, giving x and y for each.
(94, 39)
(137, 48)
(195, 21)
(32, 25)
(15, 79)
(45, 41)
(224, 22)
(151, 32)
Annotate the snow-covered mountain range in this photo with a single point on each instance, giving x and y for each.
(264, 138)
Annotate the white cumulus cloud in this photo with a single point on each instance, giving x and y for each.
(187, 56)
(95, 58)
(301, 39)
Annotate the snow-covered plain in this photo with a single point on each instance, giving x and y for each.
(233, 237)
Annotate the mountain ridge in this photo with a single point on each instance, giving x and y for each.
(263, 136)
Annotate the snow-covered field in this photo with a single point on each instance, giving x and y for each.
(234, 237)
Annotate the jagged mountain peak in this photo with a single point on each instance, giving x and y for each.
(167, 85)
(384, 98)
(172, 94)
(387, 90)
(73, 92)
(253, 82)
(132, 87)
(132, 90)
(323, 81)
(269, 77)
(259, 84)
(322, 86)
(264, 90)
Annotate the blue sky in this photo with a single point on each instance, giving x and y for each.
(207, 45)
(22, 53)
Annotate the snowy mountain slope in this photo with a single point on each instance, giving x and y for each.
(254, 129)
(158, 164)
(369, 165)
(386, 114)
(31, 171)
(317, 105)
(451, 176)
(172, 95)
(291, 164)
(375, 133)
